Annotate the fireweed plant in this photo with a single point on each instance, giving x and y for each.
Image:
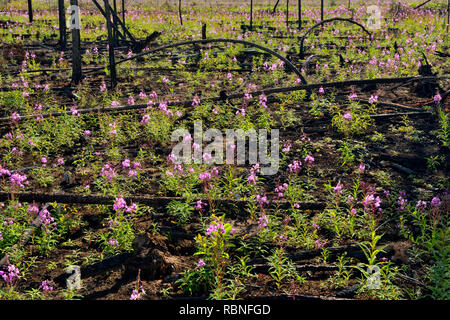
(10, 275)
(425, 224)
(120, 234)
(282, 270)
(55, 221)
(213, 249)
(342, 276)
(353, 122)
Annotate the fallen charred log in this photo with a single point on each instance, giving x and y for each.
(188, 103)
(68, 198)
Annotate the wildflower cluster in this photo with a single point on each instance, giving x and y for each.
(10, 274)
(108, 172)
(120, 232)
(200, 206)
(279, 191)
(45, 286)
(120, 206)
(136, 295)
(19, 180)
(48, 222)
(263, 222)
(213, 248)
(132, 170)
(253, 171)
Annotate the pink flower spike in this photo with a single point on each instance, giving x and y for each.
(200, 263)
(309, 159)
(373, 99)
(126, 163)
(362, 167)
(353, 96)
(437, 98)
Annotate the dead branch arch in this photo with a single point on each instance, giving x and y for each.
(220, 40)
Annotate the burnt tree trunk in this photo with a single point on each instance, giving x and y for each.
(123, 15)
(114, 31)
(62, 25)
(275, 7)
(30, 11)
(299, 14)
(112, 63)
(287, 13)
(179, 12)
(204, 31)
(321, 10)
(251, 15)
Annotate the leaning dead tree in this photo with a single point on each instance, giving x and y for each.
(118, 33)
(422, 4)
(113, 22)
(275, 7)
(179, 12)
